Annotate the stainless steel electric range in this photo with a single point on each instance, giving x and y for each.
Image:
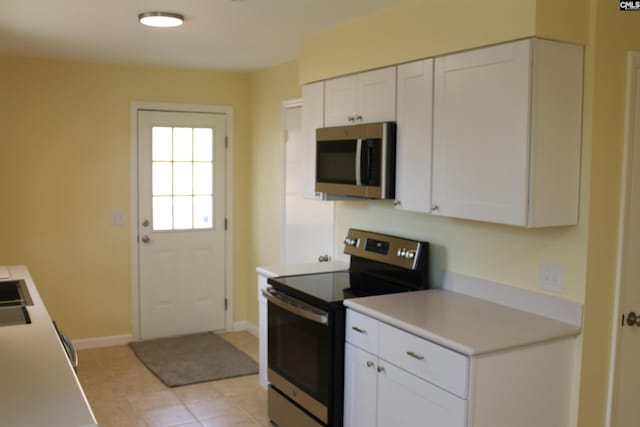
(306, 324)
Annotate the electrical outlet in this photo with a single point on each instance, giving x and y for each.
(118, 218)
(551, 278)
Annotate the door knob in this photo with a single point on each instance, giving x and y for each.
(145, 239)
(633, 319)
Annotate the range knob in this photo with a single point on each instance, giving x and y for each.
(402, 252)
(410, 254)
(351, 242)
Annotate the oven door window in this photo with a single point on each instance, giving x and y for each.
(336, 162)
(299, 351)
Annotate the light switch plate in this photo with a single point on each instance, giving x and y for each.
(551, 276)
(118, 218)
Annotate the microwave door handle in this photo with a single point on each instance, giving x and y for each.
(369, 163)
(358, 161)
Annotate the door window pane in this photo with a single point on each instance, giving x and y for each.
(161, 147)
(162, 178)
(162, 213)
(182, 178)
(203, 145)
(182, 213)
(202, 212)
(182, 144)
(203, 178)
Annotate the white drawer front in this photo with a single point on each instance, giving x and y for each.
(362, 331)
(432, 362)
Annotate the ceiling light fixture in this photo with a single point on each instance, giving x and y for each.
(161, 19)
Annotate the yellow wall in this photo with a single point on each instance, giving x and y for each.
(64, 166)
(269, 88)
(412, 30)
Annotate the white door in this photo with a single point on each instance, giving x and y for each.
(181, 227)
(308, 224)
(627, 375)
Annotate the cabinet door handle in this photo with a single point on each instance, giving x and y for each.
(358, 330)
(351, 119)
(369, 363)
(380, 368)
(415, 355)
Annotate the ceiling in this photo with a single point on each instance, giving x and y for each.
(217, 34)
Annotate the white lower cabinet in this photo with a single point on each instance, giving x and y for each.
(397, 379)
(381, 393)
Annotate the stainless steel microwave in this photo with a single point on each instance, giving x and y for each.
(357, 160)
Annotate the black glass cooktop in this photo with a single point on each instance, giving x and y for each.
(330, 289)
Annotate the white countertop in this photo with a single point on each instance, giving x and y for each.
(462, 323)
(295, 269)
(39, 387)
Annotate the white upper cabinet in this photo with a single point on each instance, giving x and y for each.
(506, 134)
(414, 136)
(312, 118)
(367, 97)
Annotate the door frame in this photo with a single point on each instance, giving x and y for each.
(286, 105)
(633, 67)
(137, 106)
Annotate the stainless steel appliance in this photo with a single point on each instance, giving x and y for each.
(68, 346)
(357, 160)
(306, 323)
(14, 299)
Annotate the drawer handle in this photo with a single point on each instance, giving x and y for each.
(415, 355)
(358, 330)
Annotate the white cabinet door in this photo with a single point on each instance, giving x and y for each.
(405, 400)
(368, 97)
(377, 96)
(481, 134)
(312, 118)
(360, 387)
(414, 136)
(341, 100)
(507, 133)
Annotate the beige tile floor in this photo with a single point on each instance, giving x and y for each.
(123, 393)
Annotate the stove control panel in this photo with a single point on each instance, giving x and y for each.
(383, 248)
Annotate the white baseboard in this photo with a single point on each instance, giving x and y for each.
(97, 342)
(246, 326)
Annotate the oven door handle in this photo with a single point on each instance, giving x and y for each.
(296, 307)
